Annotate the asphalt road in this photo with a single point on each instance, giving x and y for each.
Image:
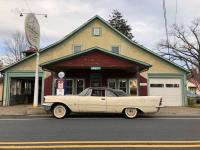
(100, 130)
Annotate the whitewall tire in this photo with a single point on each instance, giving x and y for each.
(130, 113)
(59, 111)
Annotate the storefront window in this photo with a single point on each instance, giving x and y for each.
(27, 88)
(79, 85)
(133, 87)
(112, 83)
(18, 88)
(123, 85)
(13, 89)
(69, 86)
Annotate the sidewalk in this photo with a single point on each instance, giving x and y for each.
(22, 110)
(175, 111)
(28, 110)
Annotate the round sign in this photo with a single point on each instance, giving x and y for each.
(32, 30)
(61, 74)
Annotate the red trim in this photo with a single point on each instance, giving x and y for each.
(48, 85)
(95, 58)
(143, 89)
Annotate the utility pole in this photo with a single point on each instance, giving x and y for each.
(32, 30)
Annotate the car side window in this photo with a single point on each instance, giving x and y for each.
(96, 92)
(110, 94)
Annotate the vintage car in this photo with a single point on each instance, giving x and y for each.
(102, 100)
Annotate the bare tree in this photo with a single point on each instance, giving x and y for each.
(184, 45)
(14, 47)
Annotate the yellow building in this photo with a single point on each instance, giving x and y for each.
(96, 54)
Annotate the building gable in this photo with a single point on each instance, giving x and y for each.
(109, 37)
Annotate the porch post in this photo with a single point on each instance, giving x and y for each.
(6, 84)
(138, 81)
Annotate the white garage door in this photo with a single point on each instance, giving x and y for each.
(168, 88)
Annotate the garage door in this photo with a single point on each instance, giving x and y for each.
(168, 88)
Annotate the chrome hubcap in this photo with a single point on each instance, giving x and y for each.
(59, 111)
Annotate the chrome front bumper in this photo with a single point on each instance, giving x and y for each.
(47, 106)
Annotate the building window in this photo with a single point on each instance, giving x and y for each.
(115, 49)
(112, 83)
(157, 85)
(172, 85)
(133, 87)
(79, 85)
(18, 88)
(69, 86)
(123, 85)
(77, 48)
(13, 88)
(27, 88)
(96, 31)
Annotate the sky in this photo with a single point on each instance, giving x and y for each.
(144, 16)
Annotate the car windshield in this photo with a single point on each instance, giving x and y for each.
(84, 92)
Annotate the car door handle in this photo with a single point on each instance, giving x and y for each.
(102, 98)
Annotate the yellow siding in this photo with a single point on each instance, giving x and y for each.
(106, 40)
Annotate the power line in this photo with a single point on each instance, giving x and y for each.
(166, 28)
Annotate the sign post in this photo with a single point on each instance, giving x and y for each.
(32, 30)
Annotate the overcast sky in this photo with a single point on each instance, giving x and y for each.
(144, 16)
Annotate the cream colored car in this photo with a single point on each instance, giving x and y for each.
(102, 100)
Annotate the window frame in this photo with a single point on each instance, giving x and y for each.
(73, 48)
(116, 46)
(77, 86)
(100, 32)
(112, 80)
(163, 85)
(72, 86)
(127, 82)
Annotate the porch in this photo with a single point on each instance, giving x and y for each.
(95, 68)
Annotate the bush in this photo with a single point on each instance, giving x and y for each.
(193, 102)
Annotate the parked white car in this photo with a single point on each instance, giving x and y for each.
(102, 100)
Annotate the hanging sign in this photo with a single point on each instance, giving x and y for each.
(32, 30)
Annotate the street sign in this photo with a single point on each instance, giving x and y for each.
(32, 30)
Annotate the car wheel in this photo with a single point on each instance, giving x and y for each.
(59, 111)
(130, 113)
